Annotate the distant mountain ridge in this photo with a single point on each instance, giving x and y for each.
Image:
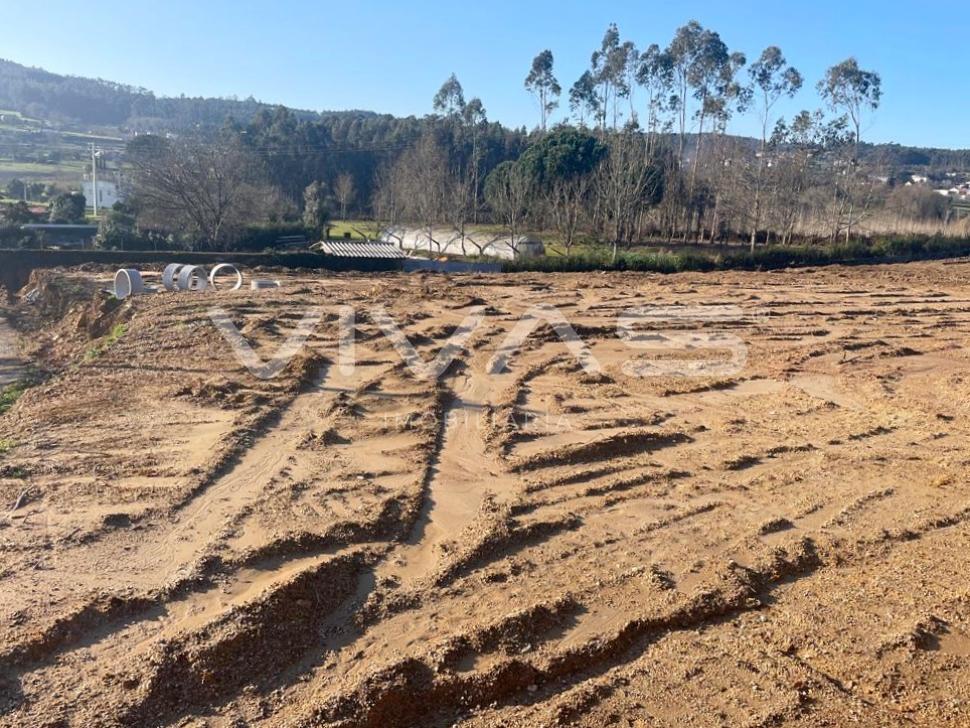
(86, 102)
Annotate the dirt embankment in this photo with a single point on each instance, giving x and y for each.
(779, 545)
(11, 362)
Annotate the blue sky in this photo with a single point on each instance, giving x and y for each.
(392, 56)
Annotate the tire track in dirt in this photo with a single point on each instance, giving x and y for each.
(629, 569)
(192, 612)
(460, 475)
(185, 588)
(198, 592)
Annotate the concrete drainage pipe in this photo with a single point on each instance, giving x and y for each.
(128, 282)
(169, 275)
(192, 278)
(229, 269)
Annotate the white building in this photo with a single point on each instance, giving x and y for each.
(445, 241)
(109, 192)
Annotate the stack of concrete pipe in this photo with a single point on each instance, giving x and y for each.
(185, 277)
(181, 277)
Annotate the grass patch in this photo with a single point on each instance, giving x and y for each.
(6, 446)
(355, 229)
(11, 393)
(106, 342)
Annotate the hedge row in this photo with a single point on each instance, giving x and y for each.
(767, 258)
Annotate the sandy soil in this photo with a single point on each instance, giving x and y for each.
(549, 545)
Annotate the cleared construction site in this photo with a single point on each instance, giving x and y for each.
(483, 500)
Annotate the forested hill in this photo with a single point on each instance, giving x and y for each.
(76, 101)
(73, 101)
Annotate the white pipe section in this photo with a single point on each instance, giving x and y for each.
(192, 278)
(226, 268)
(128, 282)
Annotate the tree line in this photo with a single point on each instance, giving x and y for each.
(645, 155)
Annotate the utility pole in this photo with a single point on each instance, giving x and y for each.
(94, 178)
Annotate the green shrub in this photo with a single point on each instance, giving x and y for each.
(10, 394)
(890, 249)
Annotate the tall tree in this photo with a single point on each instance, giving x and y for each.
(810, 142)
(627, 182)
(208, 188)
(655, 74)
(709, 74)
(609, 71)
(682, 53)
(450, 99)
(543, 85)
(772, 79)
(851, 90)
(425, 172)
(848, 89)
(476, 121)
(583, 99)
(390, 200)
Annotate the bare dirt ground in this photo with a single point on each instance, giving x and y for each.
(184, 543)
(11, 366)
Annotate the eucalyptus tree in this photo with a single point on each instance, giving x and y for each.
(609, 67)
(710, 75)
(682, 53)
(654, 73)
(468, 173)
(726, 155)
(450, 99)
(583, 99)
(850, 90)
(771, 80)
(542, 83)
(702, 68)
